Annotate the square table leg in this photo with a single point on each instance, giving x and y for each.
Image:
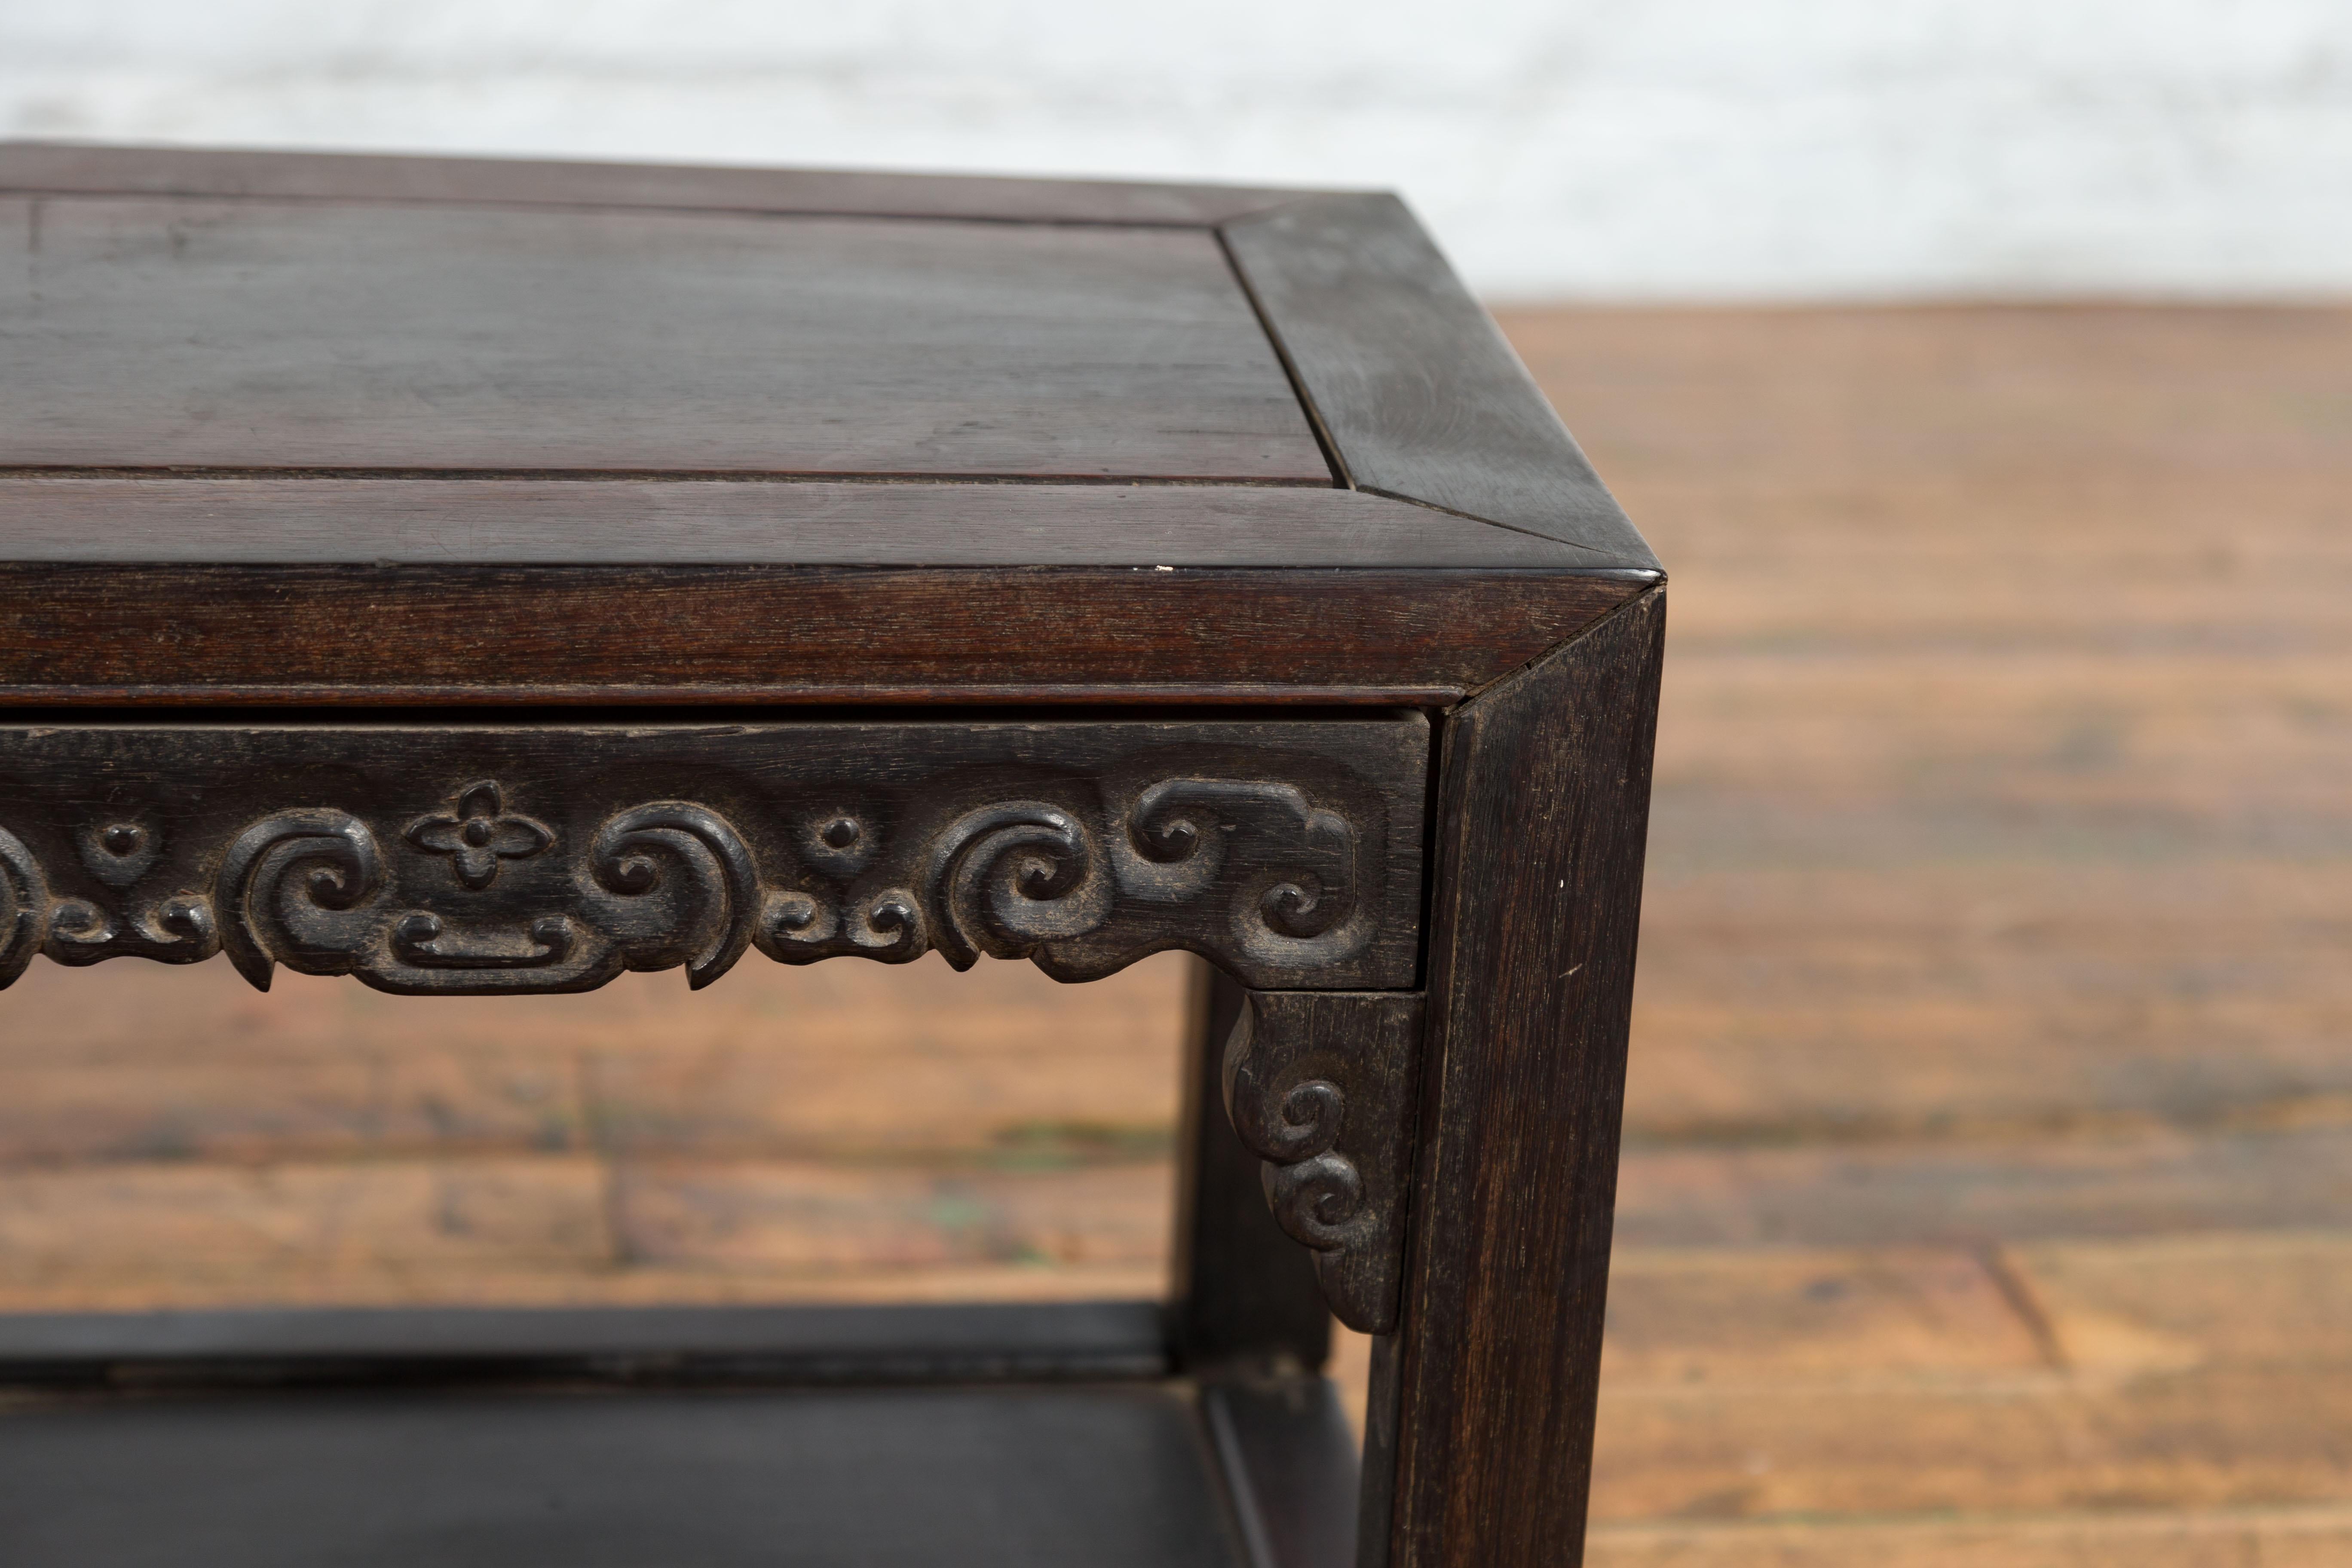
(1479, 1433)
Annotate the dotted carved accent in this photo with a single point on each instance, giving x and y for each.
(550, 877)
(23, 907)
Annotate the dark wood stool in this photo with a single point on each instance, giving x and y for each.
(476, 576)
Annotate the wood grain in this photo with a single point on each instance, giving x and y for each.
(1242, 1293)
(995, 1070)
(156, 333)
(415, 365)
(2209, 1438)
(1542, 816)
(362, 521)
(1322, 1086)
(1417, 391)
(394, 635)
(2278, 1536)
(2023, 1185)
(1996, 898)
(332, 1145)
(66, 168)
(1034, 1215)
(1983, 913)
(2181, 1373)
(1066, 1478)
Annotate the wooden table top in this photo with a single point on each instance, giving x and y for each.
(283, 427)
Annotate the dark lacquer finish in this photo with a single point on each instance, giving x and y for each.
(1243, 1294)
(1542, 816)
(381, 430)
(993, 1477)
(1290, 1466)
(1132, 561)
(542, 858)
(1321, 1087)
(181, 334)
(347, 636)
(1412, 383)
(1277, 1439)
(785, 1347)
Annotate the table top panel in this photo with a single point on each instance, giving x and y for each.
(316, 428)
(176, 332)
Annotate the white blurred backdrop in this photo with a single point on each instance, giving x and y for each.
(1676, 149)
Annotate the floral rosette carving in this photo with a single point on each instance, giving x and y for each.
(498, 889)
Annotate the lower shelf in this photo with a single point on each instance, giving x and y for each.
(1029, 1477)
(172, 1467)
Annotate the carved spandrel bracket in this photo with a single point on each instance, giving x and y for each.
(471, 859)
(1319, 1085)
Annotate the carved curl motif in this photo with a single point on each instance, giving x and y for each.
(1034, 878)
(282, 871)
(461, 881)
(1318, 1084)
(1010, 878)
(23, 907)
(666, 883)
(635, 854)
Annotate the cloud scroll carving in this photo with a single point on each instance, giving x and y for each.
(569, 866)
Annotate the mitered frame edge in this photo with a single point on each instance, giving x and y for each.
(1408, 381)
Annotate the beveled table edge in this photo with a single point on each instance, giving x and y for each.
(167, 518)
(391, 634)
(42, 166)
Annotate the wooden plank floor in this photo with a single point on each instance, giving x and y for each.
(1988, 1195)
